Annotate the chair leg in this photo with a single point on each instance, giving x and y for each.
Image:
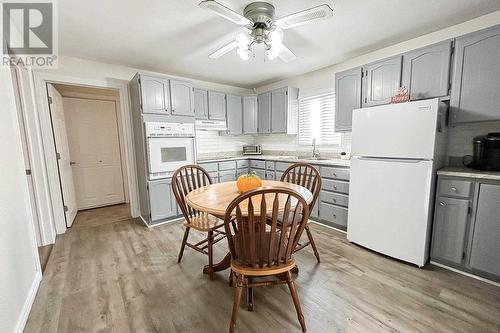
(250, 296)
(184, 241)
(311, 240)
(238, 289)
(296, 302)
(210, 254)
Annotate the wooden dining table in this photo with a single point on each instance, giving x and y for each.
(215, 198)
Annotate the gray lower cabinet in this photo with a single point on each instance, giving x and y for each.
(485, 249)
(279, 110)
(250, 124)
(200, 103)
(162, 200)
(270, 175)
(234, 114)
(347, 97)
(181, 97)
(216, 105)
(476, 77)
(334, 196)
(382, 78)
(264, 113)
(155, 95)
(450, 229)
(259, 172)
(227, 176)
(426, 71)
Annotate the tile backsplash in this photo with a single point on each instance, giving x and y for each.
(210, 142)
(460, 137)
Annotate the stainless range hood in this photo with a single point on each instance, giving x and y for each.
(211, 125)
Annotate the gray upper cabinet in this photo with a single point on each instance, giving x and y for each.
(264, 113)
(181, 98)
(200, 103)
(279, 109)
(426, 71)
(216, 105)
(476, 77)
(450, 227)
(485, 250)
(347, 97)
(154, 95)
(381, 80)
(250, 115)
(162, 200)
(234, 114)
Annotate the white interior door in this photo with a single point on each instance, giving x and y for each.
(61, 142)
(95, 152)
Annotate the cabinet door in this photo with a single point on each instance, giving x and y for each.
(449, 231)
(201, 103)
(216, 105)
(264, 113)
(162, 200)
(182, 98)
(234, 114)
(426, 71)
(476, 77)
(279, 110)
(381, 81)
(250, 115)
(347, 97)
(485, 251)
(154, 95)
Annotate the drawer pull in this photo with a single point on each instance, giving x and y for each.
(334, 200)
(334, 187)
(454, 189)
(442, 204)
(334, 216)
(334, 175)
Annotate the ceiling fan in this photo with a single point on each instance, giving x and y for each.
(260, 27)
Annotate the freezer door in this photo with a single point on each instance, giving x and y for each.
(389, 207)
(406, 130)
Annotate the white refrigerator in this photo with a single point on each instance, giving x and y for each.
(396, 150)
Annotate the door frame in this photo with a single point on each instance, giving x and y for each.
(49, 153)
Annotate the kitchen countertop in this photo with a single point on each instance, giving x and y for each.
(290, 159)
(469, 173)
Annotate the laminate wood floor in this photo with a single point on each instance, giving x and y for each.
(124, 277)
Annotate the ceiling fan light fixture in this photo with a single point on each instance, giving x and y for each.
(243, 53)
(276, 37)
(243, 39)
(272, 52)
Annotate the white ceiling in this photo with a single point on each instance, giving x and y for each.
(176, 36)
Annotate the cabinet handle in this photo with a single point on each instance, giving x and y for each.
(334, 187)
(454, 189)
(334, 200)
(334, 216)
(442, 204)
(335, 175)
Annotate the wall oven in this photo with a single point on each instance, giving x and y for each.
(170, 146)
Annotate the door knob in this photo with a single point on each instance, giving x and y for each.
(441, 204)
(72, 163)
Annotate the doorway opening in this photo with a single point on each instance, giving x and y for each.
(90, 148)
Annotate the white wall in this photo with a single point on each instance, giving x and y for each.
(210, 142)
(19, 266)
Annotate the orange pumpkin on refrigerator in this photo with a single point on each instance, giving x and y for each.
(248, 182)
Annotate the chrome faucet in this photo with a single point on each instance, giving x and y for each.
(315, 152)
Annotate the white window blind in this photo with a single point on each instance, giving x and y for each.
(317, 120)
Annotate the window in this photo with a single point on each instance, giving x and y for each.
(317, 120)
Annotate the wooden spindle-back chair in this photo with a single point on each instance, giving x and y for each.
(306, 175)
(259, 246)
(184, 180)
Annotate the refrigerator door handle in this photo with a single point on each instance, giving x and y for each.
(402, 160)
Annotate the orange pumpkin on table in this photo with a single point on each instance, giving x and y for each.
(248, 181)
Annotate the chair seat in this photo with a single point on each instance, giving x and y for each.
(204, 222)
(264, 271)
(279, 219)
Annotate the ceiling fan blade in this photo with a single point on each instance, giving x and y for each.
(225, 12)
(285, 54)
(223, 50)
(314, 14)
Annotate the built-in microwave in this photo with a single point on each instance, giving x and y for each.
(170, 146)
(252, 150)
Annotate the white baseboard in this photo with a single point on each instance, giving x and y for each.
(28, 303)
(465, 273)
(327, 226)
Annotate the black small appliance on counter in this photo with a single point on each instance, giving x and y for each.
(486, 152)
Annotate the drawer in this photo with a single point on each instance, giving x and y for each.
(334, 214)
(315, 211)
(227, 176)
(242, 164)
(270, 175)
(210, 167)
(240, 172)
(334, 198)
(335, 173)
(258, 164)
(335, 185)
(282, 166)
(278, 175)
(227, 165)
(455, 187)
(269, 165)
(214, 176)
(260, 173)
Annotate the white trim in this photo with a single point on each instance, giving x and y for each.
(161, 223)
(40, 80)
(28, 303)
(497, 284)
